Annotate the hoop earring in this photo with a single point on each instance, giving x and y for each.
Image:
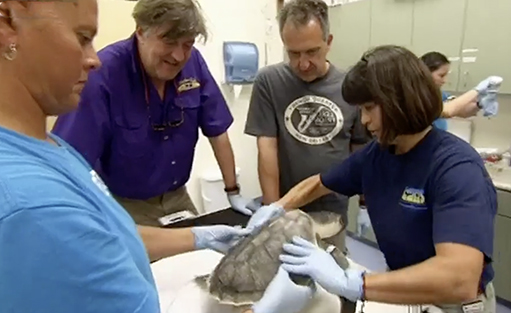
(11, 53)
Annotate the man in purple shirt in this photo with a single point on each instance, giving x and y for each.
(139, 117)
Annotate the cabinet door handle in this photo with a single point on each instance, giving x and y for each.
(465, 74)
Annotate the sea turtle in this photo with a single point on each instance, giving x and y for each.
(245, 271)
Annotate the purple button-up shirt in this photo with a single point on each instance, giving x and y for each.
(113, 125)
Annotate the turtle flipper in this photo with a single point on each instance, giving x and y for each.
(347, 306)
(203, 282)
(337, 254)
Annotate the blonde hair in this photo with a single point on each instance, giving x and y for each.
(181, 18)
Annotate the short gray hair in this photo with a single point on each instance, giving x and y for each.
(300, 12)
(182, 17)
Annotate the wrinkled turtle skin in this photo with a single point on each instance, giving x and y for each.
(243, 274)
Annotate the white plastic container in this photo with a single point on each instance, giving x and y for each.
(212, 187)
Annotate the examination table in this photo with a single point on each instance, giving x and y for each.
(178, 293)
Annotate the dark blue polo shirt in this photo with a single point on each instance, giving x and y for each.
(438, 192)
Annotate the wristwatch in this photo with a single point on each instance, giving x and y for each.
(232, 189)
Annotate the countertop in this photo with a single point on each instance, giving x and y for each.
(175, 278)
(504, 186)
(500, 175)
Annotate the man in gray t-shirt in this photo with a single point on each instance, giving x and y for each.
(302, 124)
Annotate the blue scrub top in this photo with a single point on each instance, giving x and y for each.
(441, 123)
(66, 245)
(438, 192)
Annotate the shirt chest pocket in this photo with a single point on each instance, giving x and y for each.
(133, 138)
(189, 106)
(190, 103)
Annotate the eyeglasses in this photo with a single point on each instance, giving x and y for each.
(177, 102)
(162, 127)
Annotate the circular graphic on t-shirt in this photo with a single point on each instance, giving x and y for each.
(313, 120)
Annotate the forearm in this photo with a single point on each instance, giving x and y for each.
(305, 192)
(461, 106)
(268, 169)
(225, 158)
(269, 182)
(161, 243)
(436, 280)
(468, 110)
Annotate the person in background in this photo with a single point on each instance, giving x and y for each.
(138, 120)
(300, 119)
(467, 104)
(431, 201)
(66, 244)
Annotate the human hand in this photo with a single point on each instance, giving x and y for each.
(489, 104)
(218, 237)
(241, 204)
(284, 296)
(263, 215)
(487, 100)
(363, 222)
(304, 258)
(490, 84)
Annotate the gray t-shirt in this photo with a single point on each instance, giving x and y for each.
(313, 124)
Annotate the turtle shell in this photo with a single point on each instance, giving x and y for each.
(242, 275)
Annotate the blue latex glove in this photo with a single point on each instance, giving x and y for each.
(264, 214)
(489, 104)
(241, 204)
(304, 258)
(487, 99)
(218, 237)
(363, 222)
(487, 84)
(284, 296)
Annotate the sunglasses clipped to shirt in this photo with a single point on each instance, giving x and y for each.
(177, 102)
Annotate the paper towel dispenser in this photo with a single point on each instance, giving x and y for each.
(241, 61)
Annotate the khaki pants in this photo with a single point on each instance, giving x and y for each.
(147, 212)
(488, 300)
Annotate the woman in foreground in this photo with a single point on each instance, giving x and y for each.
(431, 201)
(65, 244)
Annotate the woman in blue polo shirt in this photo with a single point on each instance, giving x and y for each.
(466, 105)
(66, 244)
(431, 201)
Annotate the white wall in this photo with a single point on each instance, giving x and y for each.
(243, 20)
